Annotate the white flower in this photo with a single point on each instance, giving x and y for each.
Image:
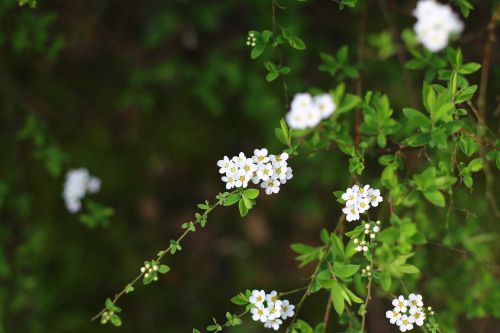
(259, 313)
(350, 197)
(271, 186)
(287, 309)
(313, 116)
(435, 23)
(238, 159)
(296, 120)
(400, 304)
(264, 172)
(230, 182)
(363, 205)
(393, 316)
(325, 105)
(362, 191)
(278, 158)
(301, 102)
(375, 197)
(405, 323)
(352, 213)
(272, 296)
(260, 156)
(274, 310)
(415, 300)
(257, 298)
(418, 317)
(273, 323)
(78, 183)
(225, 164)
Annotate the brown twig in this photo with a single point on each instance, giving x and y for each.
(479, 140)
(481, 102)
(326, 316)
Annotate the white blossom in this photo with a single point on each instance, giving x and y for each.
(269, 308)
(400, 304)
(269, 170)
(287, 309)
(259, 313)
(358, 200)
(405, 323)
(307, 111)
(435, 24)
(258, 297)
(407, 312)
(78, 183)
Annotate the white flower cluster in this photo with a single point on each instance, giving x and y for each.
(358, 200)
(78, 183)
(307, 111)
(251, 40)
(269, 170)
(269, 309)
(407, 312)
(435, 23)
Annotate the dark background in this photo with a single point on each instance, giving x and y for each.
(148, 95)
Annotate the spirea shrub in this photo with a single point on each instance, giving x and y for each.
(426, 156)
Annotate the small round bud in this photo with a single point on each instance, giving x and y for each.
(155, 267)
(155, 278)
(359, 248)
(147, 265)
(378, 222)
(356, 241)
(367, 231)
(146, 275)
(368, 267)
(376, 229)
(372, 236)
(365, 248)
(143, 269)
(367, 226)
(429, 308)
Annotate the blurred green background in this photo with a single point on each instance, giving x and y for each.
(148, 95)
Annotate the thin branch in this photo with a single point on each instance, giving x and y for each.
(481, 103)
(326, 316)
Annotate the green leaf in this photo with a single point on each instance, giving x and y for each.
(344, 271)
(417, 118)
(469, 68)
(257, 51)
(337, 297)
(296, 43)
(251, 193)
(271, 76)
(476, 165)
(465, 94)
(248, 203)
(243, 208)
(435, 197)
(352, 296)
(116, 321)
(385, 280)
(232, 199)
(164, 269)
(408, 269)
